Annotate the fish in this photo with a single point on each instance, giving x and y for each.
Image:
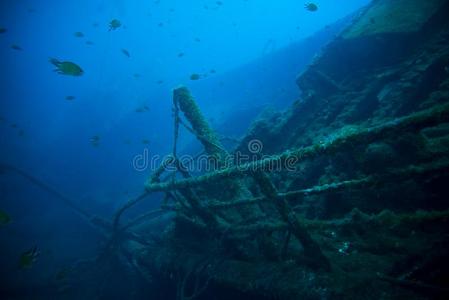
(78, 34)
(142, 109)
(114, 24)
(137, 75)
(126, 52)
(29, 257)
(3, 30)
(145, 141)
(14, 125)
(160, 81)
(195, 76)
(311, 7)
(160, 24)
(62, 274)
(213, 71)
(5, 219)
(16, 47)
(90, 43)
(66, 67)
(95, 140)
(63, 289)
(219, 3)
(69, 98)
(181, 54)
(197, 40)
(21, 132)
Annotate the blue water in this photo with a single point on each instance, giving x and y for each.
(255, 49)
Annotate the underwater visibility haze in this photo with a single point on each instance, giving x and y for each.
(233, 149)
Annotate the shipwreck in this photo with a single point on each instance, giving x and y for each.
(357, 206)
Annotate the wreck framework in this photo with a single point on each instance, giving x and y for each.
(233, 219)
(235, 229)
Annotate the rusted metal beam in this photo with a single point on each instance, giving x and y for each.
(346, 137)
(312, 251)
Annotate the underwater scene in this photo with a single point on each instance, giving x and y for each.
(233, 149)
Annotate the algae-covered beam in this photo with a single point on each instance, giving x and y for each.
(312, 251)
(209, 219)
(433, 168)
(347, 137)
(187, 104)
(183, 101)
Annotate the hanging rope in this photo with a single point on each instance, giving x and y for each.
(64, 199)
(199, 136)
(176, 127)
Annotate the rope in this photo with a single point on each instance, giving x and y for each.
(66, 200)
(199, 136)
(139, 219)
(176, 127)
(127, 205)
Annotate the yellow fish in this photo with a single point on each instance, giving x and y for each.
(63, 273)
(66, 67)
(114, 24)
(95, 140)
(4, 218)
(195, 76)
(311, 7)
(28, 258)
(126, 52)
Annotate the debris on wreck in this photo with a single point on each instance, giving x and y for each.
(337, 228)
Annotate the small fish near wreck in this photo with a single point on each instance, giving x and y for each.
(95, 140)
(66, 68)
(114, 24)
(5, 219)
(126, 52)
(29, 257)
(195, 77)
(311, 7)
(142, 109)
(16, 47)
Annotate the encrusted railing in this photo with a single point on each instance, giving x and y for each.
(193, 205)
